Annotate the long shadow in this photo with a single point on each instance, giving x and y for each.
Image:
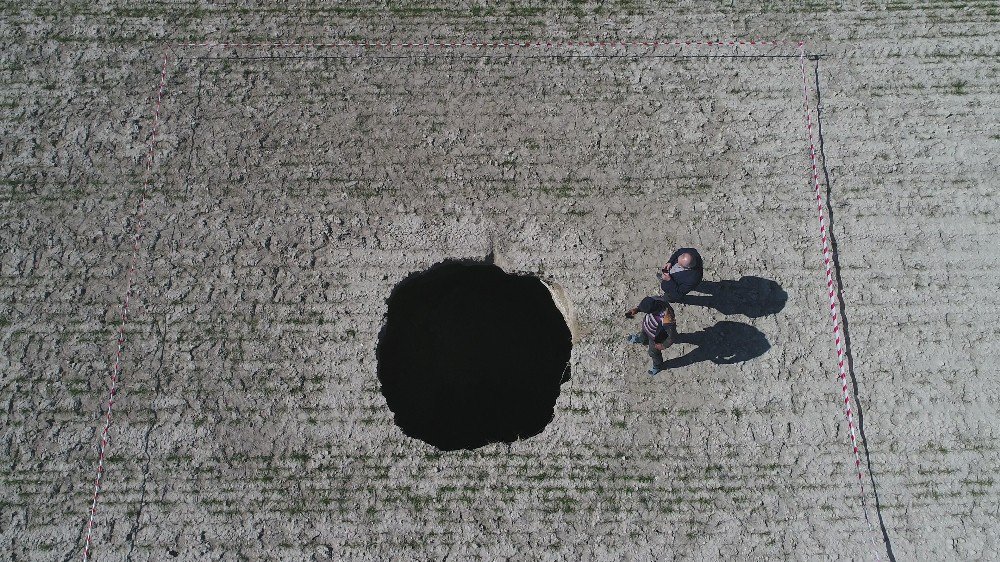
(723, 344)
(750, 296)
(844, 327)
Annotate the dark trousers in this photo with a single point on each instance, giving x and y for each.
(655, 354)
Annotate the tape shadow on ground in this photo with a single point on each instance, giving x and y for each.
(842, 309)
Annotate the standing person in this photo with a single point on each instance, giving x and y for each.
(659, 329)
(681, 274)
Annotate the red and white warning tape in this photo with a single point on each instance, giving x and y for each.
(831, 289)
(116, 367)
(488, 44)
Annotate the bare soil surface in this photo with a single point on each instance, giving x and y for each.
(293, 188)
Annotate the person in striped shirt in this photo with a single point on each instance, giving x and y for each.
(659, 329)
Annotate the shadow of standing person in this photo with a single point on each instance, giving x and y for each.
(751, 296)
(723, 344)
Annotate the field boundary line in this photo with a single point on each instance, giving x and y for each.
(832, 291)
(140, 213)
(488, 44)
(116, 366)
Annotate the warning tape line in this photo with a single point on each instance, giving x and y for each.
(834, 301)
(116, 367)
(491, 45)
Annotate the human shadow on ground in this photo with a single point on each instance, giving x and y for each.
(751, 296)
(723, 344)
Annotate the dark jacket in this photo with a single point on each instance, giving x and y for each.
(666, 333)
(682, 282)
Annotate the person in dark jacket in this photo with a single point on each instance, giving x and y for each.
(681, 274)
(659, 329)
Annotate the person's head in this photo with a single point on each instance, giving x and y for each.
(685, 260)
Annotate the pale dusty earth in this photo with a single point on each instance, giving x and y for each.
(292, 188)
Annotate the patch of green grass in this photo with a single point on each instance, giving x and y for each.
(958, 87)
(936, 447)
(77, 387)
(978, 481)
(414, 11)
(525, 11)
(562, 190)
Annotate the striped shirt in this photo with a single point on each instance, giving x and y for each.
(652, 322)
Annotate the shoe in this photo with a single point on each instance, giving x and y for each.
(654, 370)
(634, 338)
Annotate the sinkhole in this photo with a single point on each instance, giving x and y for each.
(471, 355)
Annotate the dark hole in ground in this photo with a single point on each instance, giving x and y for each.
(470, 355)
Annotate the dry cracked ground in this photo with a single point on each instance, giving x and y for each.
(292, 188)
